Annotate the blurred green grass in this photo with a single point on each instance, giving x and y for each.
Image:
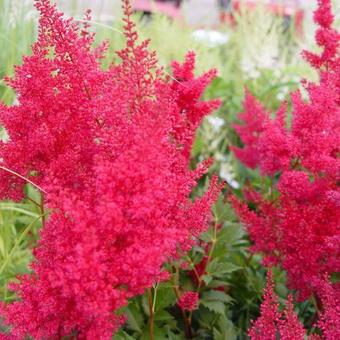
(17, 32)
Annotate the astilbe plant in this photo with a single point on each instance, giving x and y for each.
(329, 319)
(273, 324)
(265, 327)
(296, 222)
(188, 301)
(110, 148)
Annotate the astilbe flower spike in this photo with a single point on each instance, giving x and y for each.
(188, 301)
(273, 324)
(291, 328)
(265, 327)
(298, 225)
(111, 149)
(329, 320)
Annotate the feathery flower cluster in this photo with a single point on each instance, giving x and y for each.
(273, 324)
(298, 224)
(111, 149)
(330, 318)
(188, 301)
(265, 327)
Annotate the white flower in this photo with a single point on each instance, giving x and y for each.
(210, 37)
(215, 122)
(226, 174)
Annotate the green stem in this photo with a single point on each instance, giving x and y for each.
(42, 210)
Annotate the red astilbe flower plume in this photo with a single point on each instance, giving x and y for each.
(110, 148)
(188, 301)
(272, 324)
(265, 327)
(330, 317)
(291, 328)
(299, 227)
(51, 129)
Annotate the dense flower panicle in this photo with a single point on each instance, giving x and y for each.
(192, 110)
(291, 328)
(329, 321)
(110, 148)
(326, 37)
(273, 324)
(265, 327)
(300, 227)
(188, 301)
(255, 117)
(267, 143)
(54, 112)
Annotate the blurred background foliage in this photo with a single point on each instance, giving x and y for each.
(259, 52)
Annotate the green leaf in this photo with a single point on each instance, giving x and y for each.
(225, 330)
(208, 235)
(222, 210)
(207, 279)
(214, 306)
(216, 268)
(163, 315)
(134, 318)
(230, 233)
(159, 333)
(173, 336)
(218, 283)
(164, 297)
(216, 295)
(121, 335)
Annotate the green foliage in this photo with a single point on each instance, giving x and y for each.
(19, 225)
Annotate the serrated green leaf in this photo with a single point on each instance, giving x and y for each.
(164, 297)
(221, 210)
(230, 233)
(218, 283)
(207, 279)
(163, 315)
(173, 336)
(159, 333)
(121, 335)
(216, 268)
(214, 306)
(208, 235)
(216, 295)
(225, 330)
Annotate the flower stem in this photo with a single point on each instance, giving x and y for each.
(42, 210)
(152, 314)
